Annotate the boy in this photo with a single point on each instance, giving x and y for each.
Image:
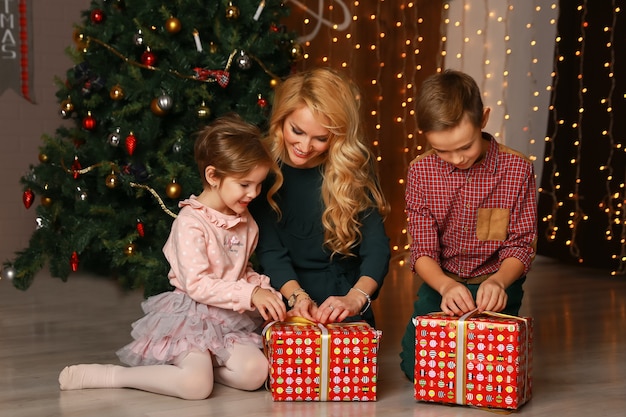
(471, 209)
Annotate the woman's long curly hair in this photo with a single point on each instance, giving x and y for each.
(350, 181)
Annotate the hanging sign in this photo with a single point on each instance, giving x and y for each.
(16, 38)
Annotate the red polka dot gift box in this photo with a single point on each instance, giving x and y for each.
(315, 362)
(482, 360)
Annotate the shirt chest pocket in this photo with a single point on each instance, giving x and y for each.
(492, 224)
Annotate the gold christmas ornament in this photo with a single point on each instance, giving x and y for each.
(67, 105)
(116, 92)
(156, 109)
(130, 249)
(43, 158)
(173, 190)
(172, 25)
(232, 12)
(80, 40)
(46, 201)
(203, 111)
(296, 52)
(274, 82)
(111, 180)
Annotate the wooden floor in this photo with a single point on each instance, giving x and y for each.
(579, 352)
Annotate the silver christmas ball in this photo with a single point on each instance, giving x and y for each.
(176, 148)
(81, 195)
(9, 273)
(138, 38)
(114, 138)
(243, 60)
(165, 102)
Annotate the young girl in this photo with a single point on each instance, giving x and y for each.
(204, 331)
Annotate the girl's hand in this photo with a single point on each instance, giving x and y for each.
(269, 305)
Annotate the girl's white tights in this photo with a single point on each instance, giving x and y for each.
(190, 378)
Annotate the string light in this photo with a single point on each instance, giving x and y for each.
(568, 208)
(613, 202)
(577, 214)
(513, 51)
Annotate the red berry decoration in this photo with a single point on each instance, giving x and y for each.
(28, 197)
(97, 16)
(130, 143)
(89, 122)
(74, 261)
(148, 58)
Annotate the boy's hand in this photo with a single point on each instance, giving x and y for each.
(268, 304)
(456, 299)
(491, 296)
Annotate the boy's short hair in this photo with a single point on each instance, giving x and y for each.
(444, 98)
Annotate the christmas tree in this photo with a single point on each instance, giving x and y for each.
(147, 75)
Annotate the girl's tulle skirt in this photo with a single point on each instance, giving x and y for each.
(174, 324)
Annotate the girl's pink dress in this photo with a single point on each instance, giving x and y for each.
(210, 309)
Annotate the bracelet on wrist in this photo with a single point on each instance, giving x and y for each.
(291, 301)
(255, 290)
(368, 302)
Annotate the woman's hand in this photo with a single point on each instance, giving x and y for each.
(336, 309)
(303, 307)
(269, 304)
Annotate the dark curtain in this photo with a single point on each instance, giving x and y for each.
(581, 201)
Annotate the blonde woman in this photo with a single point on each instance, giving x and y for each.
(325, 249)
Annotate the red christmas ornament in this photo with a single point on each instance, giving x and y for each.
(262, 102)
(130, 143)
(89, 122)
(148, 58)
(140, 229)
(28, 197)
(97, 16)
(76, 168)
(74, 261)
